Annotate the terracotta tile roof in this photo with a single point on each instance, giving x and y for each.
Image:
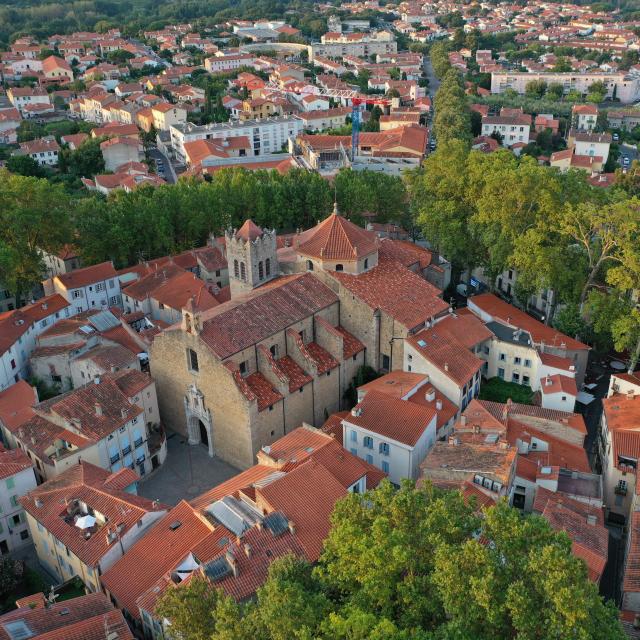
(85, 483)
(622, 415)
(590, 542)
(429, 396)
(248, 319)
(556, 362)
(558, 384)
(333, 426)
(392, 418)
(108, 356)
(12, 462)
(295, 374)
(131, 381)
(350, 344)
(397, 291)
(249, 231)
(155, 554)
(449, 355)
(307, 495)
(320, 357)
(336, 238)
(407, 253)
(262, 390)
(87, 275)
(483, 499)
(631, 580)
(573, 420)
(396, 384)
(16, 404)
(123, 338)
(83, 618)
(177, 291)
(541, 333)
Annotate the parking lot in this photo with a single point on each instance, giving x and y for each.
(187, 472)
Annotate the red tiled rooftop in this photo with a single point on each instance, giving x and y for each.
(87, 275)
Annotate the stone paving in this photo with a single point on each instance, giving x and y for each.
(187, 472)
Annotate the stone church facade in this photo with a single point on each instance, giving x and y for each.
(301, 322)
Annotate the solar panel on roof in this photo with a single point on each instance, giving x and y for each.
(277, 523)
(422, 343)
(217, 569)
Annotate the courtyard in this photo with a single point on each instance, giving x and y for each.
(187, 472)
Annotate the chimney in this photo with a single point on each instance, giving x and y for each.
(38, 502)
(247, 550)
(630, 393)
(292, 527)
(454, 441)
(463, 420)
(96, 380)
(548, 381)
(231, 560)
(446, 366)
(430, 396)
(591, 519)
(113, 368)
(123, 412)
(98, 407)
(438, 405)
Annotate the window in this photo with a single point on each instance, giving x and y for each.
(112, 284)
(384, 448)
(24, 535)
(354, 436)
(243, 271)
(366, 263)
(100, 286)
(274, 350)
(244, 368)
(385, 362)
(385, 466)
(517, 360)
(77, 293)
(236, 269)
(260, 271)
(354, 452)
(14, 501)
(525, 380)
(515, 377)
(367, 442)
(16, 519)
(11, 483)
(527, 363)
(13, 364)
(369, 458)
(502, 357)
(339, 267)
(485, 350)
(192, 360)
(501, 373)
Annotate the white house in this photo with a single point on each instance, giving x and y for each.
(92, 287)
(16, 479)
(19, 330)
(512, 129)
(591, 144)
(390, 433)
(558, 392)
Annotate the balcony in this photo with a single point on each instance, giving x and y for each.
(126, 451)
(138, 443)
(114, 459)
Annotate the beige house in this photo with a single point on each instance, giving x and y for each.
(166, 115)
(118, 151)
(87, 519)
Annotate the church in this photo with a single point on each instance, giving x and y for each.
(307, 310)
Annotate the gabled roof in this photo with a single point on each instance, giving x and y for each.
(558, 384)
(83, 618)
(13, 461)
(87, 275)
(92, 486)
(336, 238)
(16, 404)
(496, 308)
(392, 418)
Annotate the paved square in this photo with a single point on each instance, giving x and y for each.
(187, 472)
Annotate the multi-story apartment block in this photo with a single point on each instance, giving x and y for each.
(585, 116)
(337, 45)
(95, 287)
(18, 332)
(512, 129)
(86, 519)
(112, 422)
(16, 479)
(267, 135)
(622, 86)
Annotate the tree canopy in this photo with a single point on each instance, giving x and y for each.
(413, 564)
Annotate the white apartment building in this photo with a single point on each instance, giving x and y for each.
(16, 479)
(266, 135)
(221, 63)
(19, 330)
(391, 433)
(625, 88)
(95, 287)
(337, 45)
(21, 97)
(513, 129)
(590, 144)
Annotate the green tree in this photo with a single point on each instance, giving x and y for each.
(555, 91)
(10, 575)
(452, 119)
(198, 611)
(24, 166)
(85, 161)
(33, 216)
(535, 88)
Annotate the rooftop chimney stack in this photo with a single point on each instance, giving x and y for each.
(98, 407)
